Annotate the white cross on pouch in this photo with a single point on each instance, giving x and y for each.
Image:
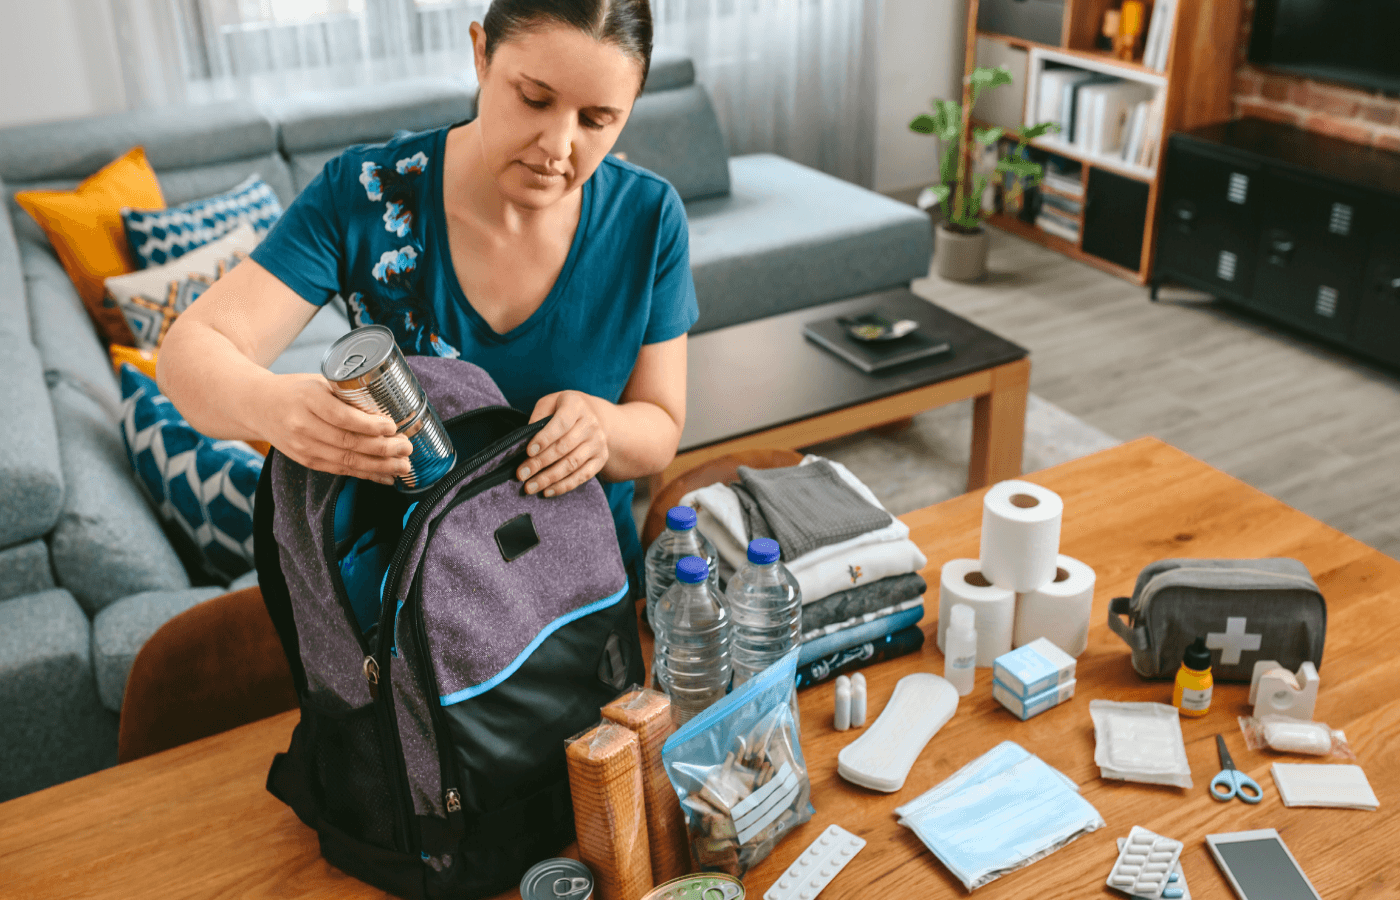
(1233, 640)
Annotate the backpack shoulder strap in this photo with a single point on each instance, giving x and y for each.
(268, 558)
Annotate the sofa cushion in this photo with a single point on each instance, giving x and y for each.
(84, 227)
(202, 486)
(670, 69)
(676, 135)
(31, 479)
(120, 630)
(108, 543)
(788, 237)
(14, 309)
(158, 237)
(153, 298)
(305, 353)
(316, 127)
(55, 726)
(174, 137)
(63, 335)
(25, 569)
(189, 183)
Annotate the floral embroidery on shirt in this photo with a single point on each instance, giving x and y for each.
(397, 218)
(412, 165)
(369, 177)
(395, 266)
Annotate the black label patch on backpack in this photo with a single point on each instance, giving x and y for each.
(516, 537)
(612, 668)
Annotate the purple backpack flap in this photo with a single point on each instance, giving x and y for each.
(443, 646)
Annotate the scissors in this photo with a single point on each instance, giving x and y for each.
(1231, 782)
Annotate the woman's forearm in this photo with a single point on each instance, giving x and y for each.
(218, 389)
(642, 438)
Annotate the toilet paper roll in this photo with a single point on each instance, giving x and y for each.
(1020, 535)
(1059, 611)
(963, 581)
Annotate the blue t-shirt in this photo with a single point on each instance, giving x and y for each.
(372, 228)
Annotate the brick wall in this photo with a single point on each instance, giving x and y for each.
(1363, 117)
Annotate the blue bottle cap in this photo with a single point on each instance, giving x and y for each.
(763, 551)
(692, 570)
(680, 518)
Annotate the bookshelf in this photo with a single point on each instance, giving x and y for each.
(1189, 88)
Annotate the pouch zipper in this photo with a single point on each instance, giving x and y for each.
(1147, 590)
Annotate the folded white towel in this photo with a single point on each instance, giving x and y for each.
(836, 567)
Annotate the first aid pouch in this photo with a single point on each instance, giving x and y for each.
(1245, 609)
(738, 770)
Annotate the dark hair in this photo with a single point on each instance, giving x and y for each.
(626, 24)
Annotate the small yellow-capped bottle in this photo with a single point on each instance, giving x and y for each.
(1194, 683)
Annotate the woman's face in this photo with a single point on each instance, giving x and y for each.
(552, 103)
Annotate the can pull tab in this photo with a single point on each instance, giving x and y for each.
(569, 887)
(351, 363)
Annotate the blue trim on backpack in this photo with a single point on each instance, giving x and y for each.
(488, 684)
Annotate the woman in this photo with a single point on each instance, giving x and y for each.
(513, 241)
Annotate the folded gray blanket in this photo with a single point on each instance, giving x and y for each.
(846, 605)
(809, 506)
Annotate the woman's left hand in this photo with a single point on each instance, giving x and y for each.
(569, 450)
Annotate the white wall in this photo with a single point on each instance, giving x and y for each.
(920, 57)
(58, 60)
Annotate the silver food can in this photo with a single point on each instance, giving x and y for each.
(557, 879)
(366, 370)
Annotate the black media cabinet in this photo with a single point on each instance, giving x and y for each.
(1299, 227)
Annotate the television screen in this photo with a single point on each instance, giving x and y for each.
(1351, 41)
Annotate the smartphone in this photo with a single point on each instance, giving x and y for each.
(1259, 866)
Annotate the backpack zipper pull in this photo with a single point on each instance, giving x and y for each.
(372, 676)
(454, 800)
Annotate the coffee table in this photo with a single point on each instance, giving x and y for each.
(196, 821)
(762, 384)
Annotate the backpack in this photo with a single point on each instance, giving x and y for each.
(429, 757)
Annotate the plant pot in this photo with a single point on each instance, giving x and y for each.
(960, 257)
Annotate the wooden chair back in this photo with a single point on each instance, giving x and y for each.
(211, 668)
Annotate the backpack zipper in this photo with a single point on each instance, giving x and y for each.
(452, 799)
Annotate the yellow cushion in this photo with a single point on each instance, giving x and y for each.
(85, 228)
(143, 361)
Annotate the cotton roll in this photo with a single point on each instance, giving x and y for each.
(1020, 535)
(1059, 611)
(962, 581)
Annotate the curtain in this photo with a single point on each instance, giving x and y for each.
(792, 77)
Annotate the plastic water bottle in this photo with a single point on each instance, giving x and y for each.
(766, 604)
(680, 539)
(692, 641)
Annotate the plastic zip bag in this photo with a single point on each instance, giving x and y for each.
(1285, 735)
(738, 770)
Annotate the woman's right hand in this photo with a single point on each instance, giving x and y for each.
(303, 419)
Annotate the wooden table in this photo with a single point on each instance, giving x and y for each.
(762, 384)
(196, 822)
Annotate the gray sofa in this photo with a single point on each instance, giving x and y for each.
(86, 572)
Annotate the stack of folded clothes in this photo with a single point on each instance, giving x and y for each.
(861, 594)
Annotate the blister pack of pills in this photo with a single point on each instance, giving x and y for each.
(1176, 889)
(817, 865)
(1144, 864)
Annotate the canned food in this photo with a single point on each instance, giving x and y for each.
(701, 886)
(557, 879)
(366, 370)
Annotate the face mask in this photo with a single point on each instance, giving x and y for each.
(1004, 810)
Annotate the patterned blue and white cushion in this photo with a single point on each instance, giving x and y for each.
(158, 236)
(203, 487)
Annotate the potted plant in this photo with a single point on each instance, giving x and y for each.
(960, 251)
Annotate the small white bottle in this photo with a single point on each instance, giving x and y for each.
(960, 649)
(842, 706)
(858, 700)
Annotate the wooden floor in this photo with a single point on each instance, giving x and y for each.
(1308, 425)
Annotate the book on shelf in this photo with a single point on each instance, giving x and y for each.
(1159, 35)
(1151, 134)
(1076, 113)
(1057, 228)
(1064, 175)
(1060, 204)
(1137, 122)
(1103, 110)
(1065, 220)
